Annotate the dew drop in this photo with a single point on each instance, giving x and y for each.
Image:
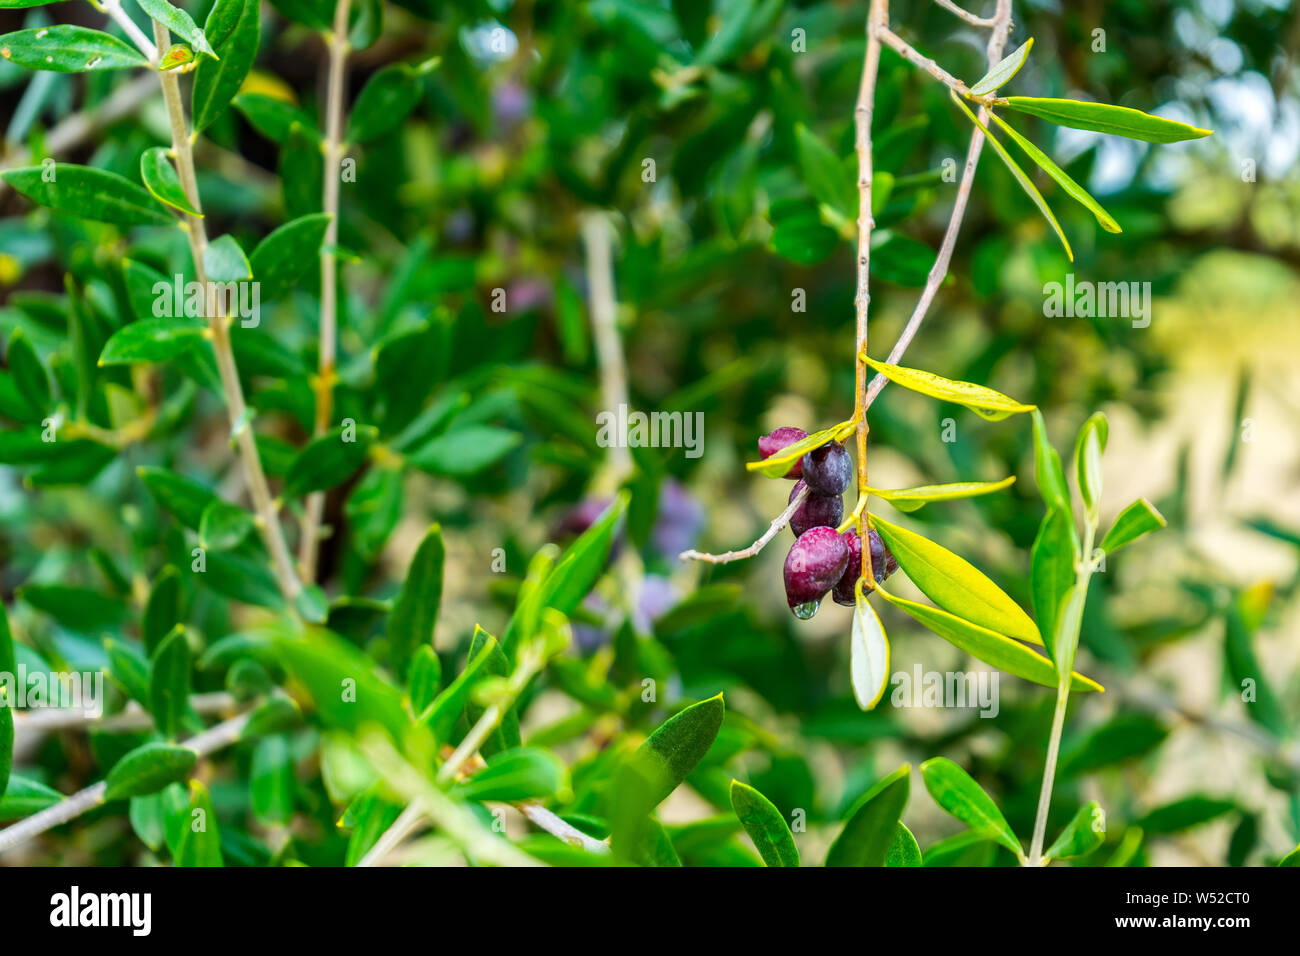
(93, 62)
(40, 34)
(49, 59)
(806, 610)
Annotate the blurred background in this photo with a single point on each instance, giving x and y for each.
(680, 123)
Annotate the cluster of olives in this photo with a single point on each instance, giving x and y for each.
(821, 559)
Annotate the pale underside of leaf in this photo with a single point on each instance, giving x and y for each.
(1003, 70)
(869, 655)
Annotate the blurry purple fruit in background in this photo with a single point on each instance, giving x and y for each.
(679, 522)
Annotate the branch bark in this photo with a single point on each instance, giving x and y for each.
(210, 741)
(241, 428)
(939, 271)
(314, 507)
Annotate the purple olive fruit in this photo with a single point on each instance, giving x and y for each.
(773, 442)
(815, 562)
(816, 510)
(827, 469)
(882, 565)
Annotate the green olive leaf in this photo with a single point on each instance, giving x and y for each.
(910, 499)
(1133, 522)
(990, 647)
(1019, 174)
(160, 178)
(955, 585)
(178, 22)
(958, 793)
(765, 826)
(1085, 832)
(148, 769)
(873, 822)
(1045, 162)
(88, 193)
(1103, 118)
(65, 48)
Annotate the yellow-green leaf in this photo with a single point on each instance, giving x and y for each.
(1104, 118)
(955, 584)
(1025, 183)
(778, 464)
(1061, 176)
(910, 499)
(990, 647)
(983, 401)
(1133, 522)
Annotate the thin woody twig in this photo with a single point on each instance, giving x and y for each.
(211, 740)
(907, 52)
(966, 15)
(597, 240)
(779, 522)
(314, 506)
(939, 271)
(877, 21)
(268, 521)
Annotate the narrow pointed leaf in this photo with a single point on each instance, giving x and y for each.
(284, 256)
(958, 793)
(955, 584)
(65, 48)
(910, 499)
(1047, 468)
(1133, 522)
(1046, 163)
(160, 178)
(234, 29)
(1051, 570)
(178, 22)
(904, 851)
(1003, 70)
(775, 466)
(868, 655)
(990, 647)
(169, 683)
(152, 340)
(525, 773)
(1025, 182)
(148, 769)
(1103, 118)
(1088, 447)
(200, 841)
(765, 826)
(1085, 832)
(88, 193)
(983, 401)
(677, 745)
(869, 832)
(415, 612)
